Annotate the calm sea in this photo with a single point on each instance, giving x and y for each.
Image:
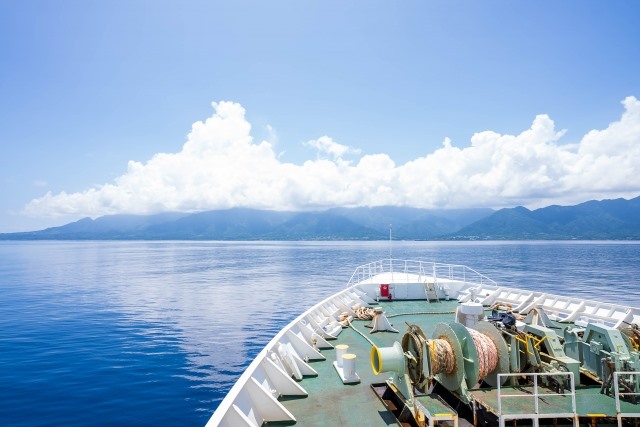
(155, 333)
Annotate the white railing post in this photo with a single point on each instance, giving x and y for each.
(450, 271)
(573, 400)
(500, 417)
(535, 415)
(617, 394)
(536, 409)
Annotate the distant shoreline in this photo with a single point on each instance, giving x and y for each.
(617, 220)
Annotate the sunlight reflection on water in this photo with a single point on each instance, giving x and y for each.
(157, 332)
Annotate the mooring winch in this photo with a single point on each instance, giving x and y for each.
(457, 357)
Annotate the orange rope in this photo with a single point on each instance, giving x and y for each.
(487, 353)
(442, 357)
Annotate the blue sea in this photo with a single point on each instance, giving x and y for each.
(155, 333)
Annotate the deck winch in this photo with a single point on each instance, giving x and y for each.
(596, 351)
(603, 350)
(457, 357)
(471, 353)
(535, 348)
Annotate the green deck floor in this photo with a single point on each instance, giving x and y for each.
(332, 403)
(589, 402)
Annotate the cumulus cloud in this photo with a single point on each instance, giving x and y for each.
(220, 166)
(324, 144)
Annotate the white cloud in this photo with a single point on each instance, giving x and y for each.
(221, 167)
(324, 144)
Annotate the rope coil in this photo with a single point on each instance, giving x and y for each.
(487, 353)
(364, 313)
(442, 357)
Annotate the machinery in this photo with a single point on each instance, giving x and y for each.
(534, 348)
(602, 351)
(456, 356)
(471, 353)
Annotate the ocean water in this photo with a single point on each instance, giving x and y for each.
(155, 333)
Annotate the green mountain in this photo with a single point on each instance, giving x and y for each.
(230, 224)
(594, 220)
(322, 226)
(617, 219)
(110, 227)
(412, 223)
(252, 224)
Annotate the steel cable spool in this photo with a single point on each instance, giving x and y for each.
(413, 342)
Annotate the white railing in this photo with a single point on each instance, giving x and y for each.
(421, 268)
(616, 387)
(536, 415)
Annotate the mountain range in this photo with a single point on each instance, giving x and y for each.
(617, 219)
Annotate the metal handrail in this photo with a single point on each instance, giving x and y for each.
(420, 268)
(616, 388)
(536, 415)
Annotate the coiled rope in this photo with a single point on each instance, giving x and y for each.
(487, 353)
(364, 313)
(442, 357)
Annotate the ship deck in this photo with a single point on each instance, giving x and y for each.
(332, 403)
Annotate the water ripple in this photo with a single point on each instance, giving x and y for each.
(155, 333)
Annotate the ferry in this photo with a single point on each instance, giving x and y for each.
(417, 343)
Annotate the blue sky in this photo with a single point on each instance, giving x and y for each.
(316, 104)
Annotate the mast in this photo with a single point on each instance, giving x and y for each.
(390, 252)
(390, 249)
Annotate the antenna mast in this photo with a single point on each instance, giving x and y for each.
(390, 250)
